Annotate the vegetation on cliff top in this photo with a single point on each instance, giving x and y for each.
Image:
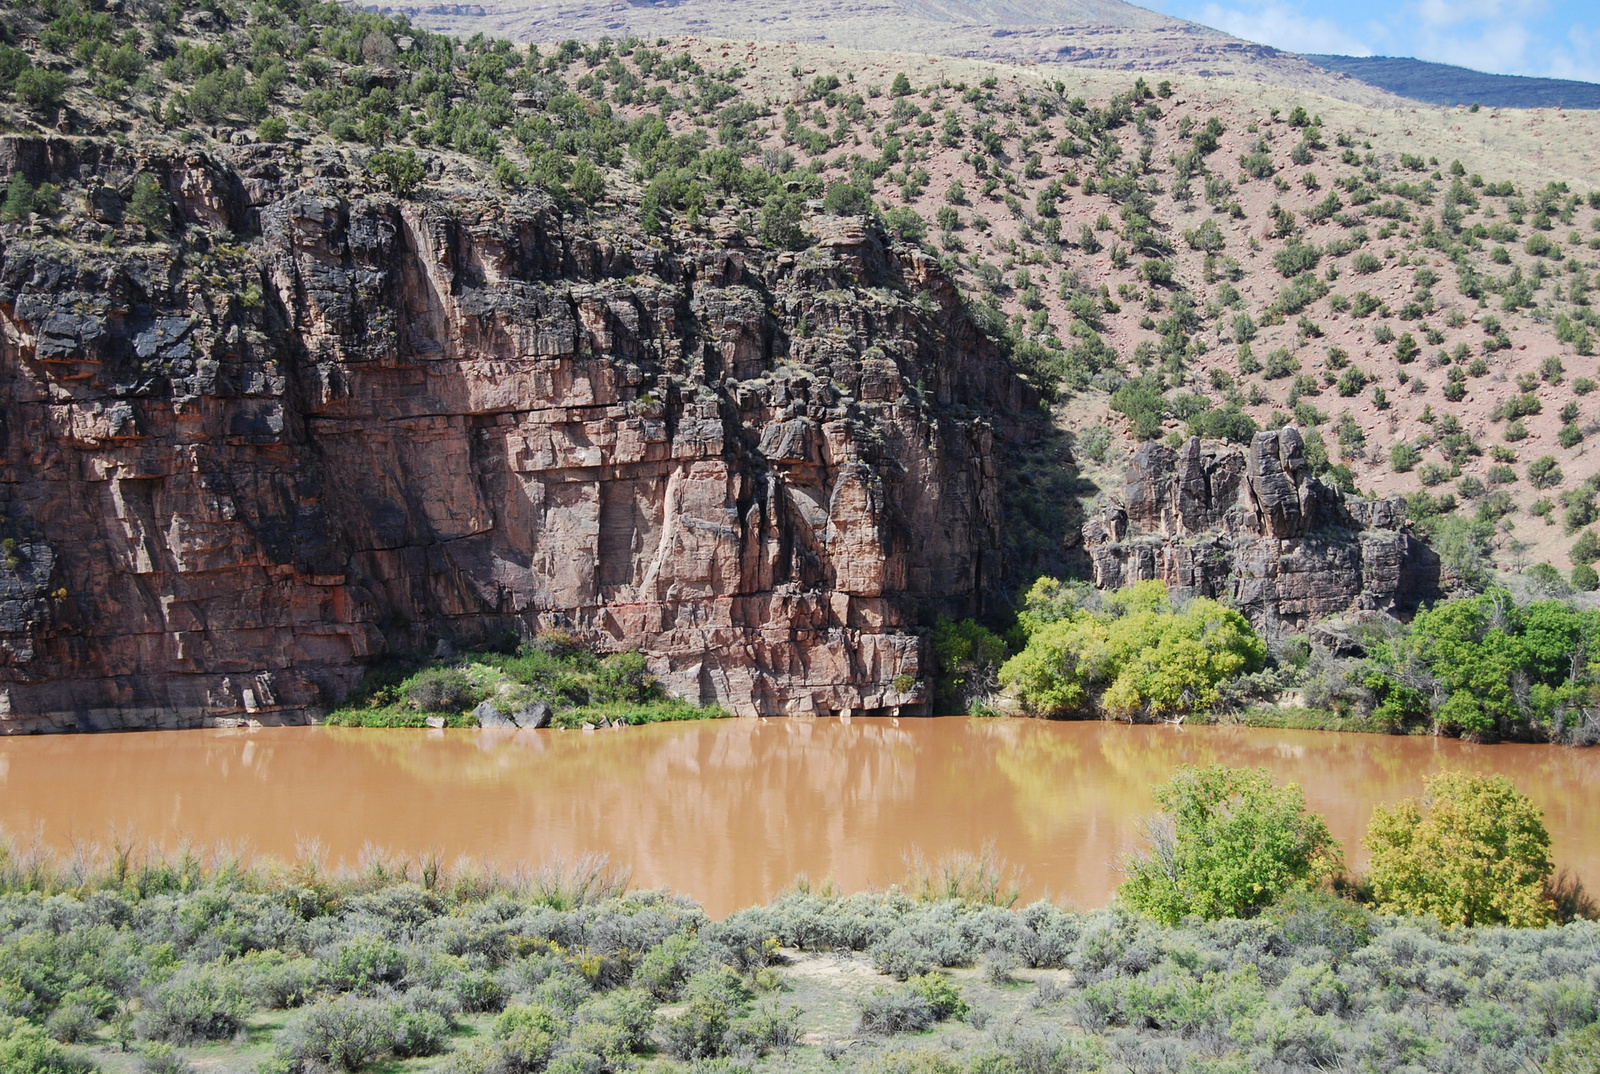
(293, 969)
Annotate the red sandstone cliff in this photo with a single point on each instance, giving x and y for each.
(234, 471)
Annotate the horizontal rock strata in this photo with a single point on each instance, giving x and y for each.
(236, 473)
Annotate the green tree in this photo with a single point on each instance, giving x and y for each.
(1472, 851)
(1138, 658)
(1228, 843)
(40, 89)
(148, 206)
(1586, 549)
(1224, 423)
(1500, 670)
(272, 129)
(1578, 1052)
(1145, 405)
(399, 168)
(905, 224)
(13, 61)
(1403, 457)
(506, 175)
(968, 655)
(25, 1049)
(846, 199)
(780, 222)
(19, 199)
(1544, 473)
(527, 1033)
(1407, 349)
(586, 183)
(901, 87)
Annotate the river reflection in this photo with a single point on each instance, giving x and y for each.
(731, 811)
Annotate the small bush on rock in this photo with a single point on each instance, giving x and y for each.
(442, 690)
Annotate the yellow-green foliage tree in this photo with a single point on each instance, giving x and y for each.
(1473, 851)
(1228, 843)
(1136, 658)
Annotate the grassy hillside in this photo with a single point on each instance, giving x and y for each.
(1159, 256)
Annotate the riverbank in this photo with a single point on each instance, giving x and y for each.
(552, 680)
(1301, 718)
(152, 964)
(1487, 668)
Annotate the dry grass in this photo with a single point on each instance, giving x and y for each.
(982, 878)
(127, 865)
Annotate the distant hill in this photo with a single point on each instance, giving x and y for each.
(1077, 33)
(1440, 83)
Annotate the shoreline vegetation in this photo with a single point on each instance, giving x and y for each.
(548, 681)
(115, 959)
(1485, 667)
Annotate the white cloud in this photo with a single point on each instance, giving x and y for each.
(1515, 48)
(1501, 48)
(1450, 12)
(1285, 28)
(1583, 61)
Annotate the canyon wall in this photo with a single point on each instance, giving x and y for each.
(1254, 527)
(331, 425)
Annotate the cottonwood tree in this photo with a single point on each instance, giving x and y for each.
(1228, 843)
(1472, 851)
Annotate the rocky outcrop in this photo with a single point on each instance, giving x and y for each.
(1255, 527)
(235, 472)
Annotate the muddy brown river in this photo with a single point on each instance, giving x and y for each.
(731, 811)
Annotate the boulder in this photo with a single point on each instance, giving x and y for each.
(489, 716)
(536, 714)
(105, 204)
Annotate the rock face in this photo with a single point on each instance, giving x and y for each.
(232, 476)
(1255, 527)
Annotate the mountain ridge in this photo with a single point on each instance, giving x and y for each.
(1448, 84)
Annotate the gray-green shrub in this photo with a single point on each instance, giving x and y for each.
(199, 1003)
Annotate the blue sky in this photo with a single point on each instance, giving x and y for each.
(1554, 38)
